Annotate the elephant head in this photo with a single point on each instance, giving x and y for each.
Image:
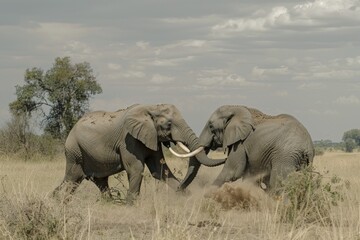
(225, 127)
(164, 124)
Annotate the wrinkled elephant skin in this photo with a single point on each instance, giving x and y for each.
(104, 143)
(257, 143)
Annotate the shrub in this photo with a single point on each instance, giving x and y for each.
(308, 196)
(319, 151)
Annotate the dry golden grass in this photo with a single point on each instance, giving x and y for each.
(28, 211)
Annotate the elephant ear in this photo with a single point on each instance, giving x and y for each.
(141, 126)
(239, 127)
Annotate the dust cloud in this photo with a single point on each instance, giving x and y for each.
(240, 195)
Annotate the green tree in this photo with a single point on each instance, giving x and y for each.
(61, 95)
(351, 139)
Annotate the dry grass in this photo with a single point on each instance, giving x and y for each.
(237, 211)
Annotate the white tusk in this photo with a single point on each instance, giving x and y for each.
(183, 147)
(186, 155)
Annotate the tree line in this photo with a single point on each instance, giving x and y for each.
(50, 102)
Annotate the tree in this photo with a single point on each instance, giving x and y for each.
(61, 95)
(351, 139)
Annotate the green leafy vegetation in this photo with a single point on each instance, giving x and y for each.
(351, 139)
(60, 96)
(308, 197)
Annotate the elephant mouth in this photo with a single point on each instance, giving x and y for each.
(167, 144)
(164, 137)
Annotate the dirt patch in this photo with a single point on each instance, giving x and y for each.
(240, 195)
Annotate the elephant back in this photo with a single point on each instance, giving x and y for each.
(258, 116)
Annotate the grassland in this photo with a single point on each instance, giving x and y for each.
(27, 210)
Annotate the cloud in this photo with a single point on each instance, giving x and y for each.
(282, 94)
(311, 86)
(264, 72)
(339, 69)
(133, 74)
(114, 66)
(348, 100)
(323, 8)
(142, 45)
(60, 31)
(161, 79)
(169, 62)
(278, 15)
(327, 112)
(310, 14)
(78, 50)
(223, 78)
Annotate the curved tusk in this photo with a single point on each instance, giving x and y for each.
(183, 147)
(186, 155)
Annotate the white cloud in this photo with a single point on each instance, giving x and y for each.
(348, 100)
(59, 31)
(282, 94)
(320, 8)
(194, 43)
(134, 74)
(114, 66)
(315, 13)
(263, 72)
(142, 45)
(167, 62)
(340, 69)
(161, 79)
(77, 49)
(327, 112)
(278, 15)
(311, 86)
(223, 78)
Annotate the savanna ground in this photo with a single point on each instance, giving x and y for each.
(27, 210)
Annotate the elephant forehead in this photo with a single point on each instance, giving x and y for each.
(217, 122)
(162, 120)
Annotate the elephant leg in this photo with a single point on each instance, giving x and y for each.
(103, 185)
(281, 168)
(234, 167)
(74, 175)
(161, 171)
(135, 176)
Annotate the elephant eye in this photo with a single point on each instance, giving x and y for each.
(166, 125)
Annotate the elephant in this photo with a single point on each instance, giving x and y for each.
(257, 143)
(105, 143)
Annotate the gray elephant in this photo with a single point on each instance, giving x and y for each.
(104, 143)
(256, 142)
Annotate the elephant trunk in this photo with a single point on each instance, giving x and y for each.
(193, 168)
(192, 141)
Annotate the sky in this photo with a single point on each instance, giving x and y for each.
(296, 57)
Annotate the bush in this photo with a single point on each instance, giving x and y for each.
(319, 151)
(350, 145)
(308, 196)
(28, 216)
(35, 145)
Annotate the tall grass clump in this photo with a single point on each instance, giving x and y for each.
(308, 197)
(26, 215)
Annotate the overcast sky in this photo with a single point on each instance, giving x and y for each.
(295, 57)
